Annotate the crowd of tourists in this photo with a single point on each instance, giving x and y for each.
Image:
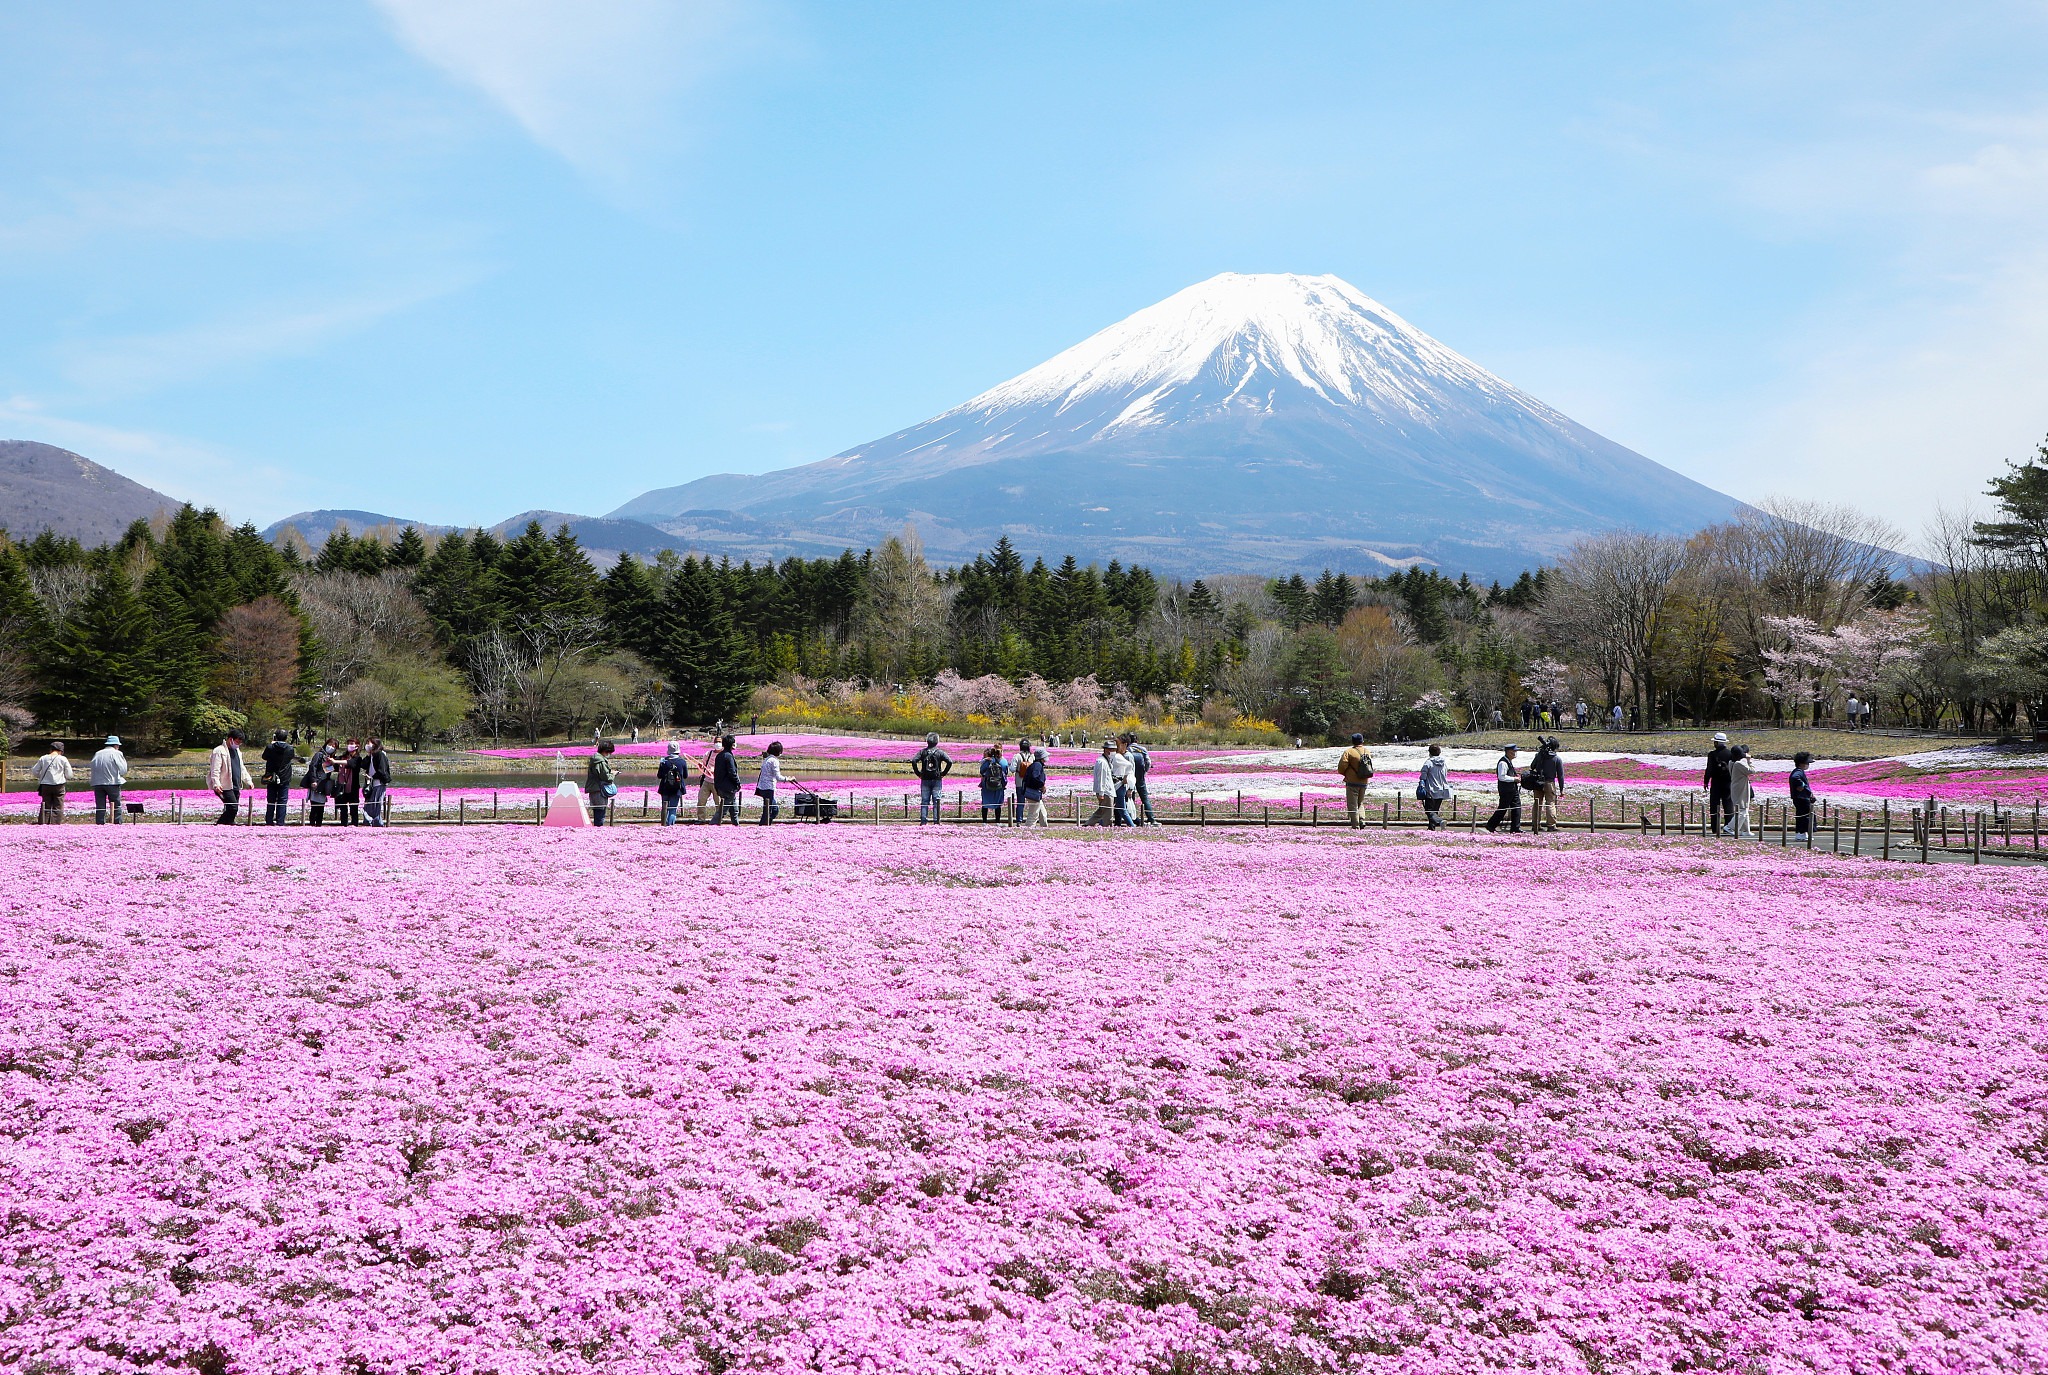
(354, 780)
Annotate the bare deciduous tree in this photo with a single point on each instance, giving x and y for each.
(259, 655)
(1606, 598)
(357, 617)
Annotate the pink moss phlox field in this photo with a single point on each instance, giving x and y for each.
(508, 1100)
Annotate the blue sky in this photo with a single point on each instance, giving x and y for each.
(453, 259)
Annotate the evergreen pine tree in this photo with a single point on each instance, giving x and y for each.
(95, 674)
(408, 552)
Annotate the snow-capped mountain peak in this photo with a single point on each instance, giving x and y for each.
(1247, 341)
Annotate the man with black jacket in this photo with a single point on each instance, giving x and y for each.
(278, 760)
(1719, 783)
(376, 767)
(725, 781)
(1547, 771)
(1508, 783)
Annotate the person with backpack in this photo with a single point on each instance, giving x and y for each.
(376, 774)
(601, 782)
(1509, 784)
(1017, 773)
(1546, 773)
(1031, 789)
(1802, 794)
(1432, 788)
(931, 765)
(1141, 794)
(1354, 766)
(995, 781)
(279, 759)
(671, 780)
(725, 781)
(109, 774)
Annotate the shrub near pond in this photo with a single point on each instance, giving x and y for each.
(511, 1100)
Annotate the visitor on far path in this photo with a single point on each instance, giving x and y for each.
(1717, 782)
(931, 765)
(279, 758)
(671, 780)
(1031, 789)
(1508, 783)
(1855, 711)
(1355, 767)
(109, 773)
(1432, 789)
(769, 779)
(1547, 769)
(1614, 718)
(1498, 722)
(601, 782)
(52, 772)
(1802, 794)
(995, 781)
(1739, 791)
(375, 770)
(1017, 772)
(226, 776)
(1581, 715)
(725, 781)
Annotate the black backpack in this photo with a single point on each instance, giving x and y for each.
(991, 773)
(930, 764)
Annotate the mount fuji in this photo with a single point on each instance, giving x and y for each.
(1250, 423)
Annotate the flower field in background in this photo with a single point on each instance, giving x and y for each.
(510, 1100)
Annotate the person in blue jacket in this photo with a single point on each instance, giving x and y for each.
(672, 780)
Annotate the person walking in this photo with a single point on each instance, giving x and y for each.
(375, 772)
(1802, 794)
(1717, 782)
(769, 779)
(995, 781)
(1547, 771)
(1123, 771)
(725, 781)
(109, 773)
(1031, 789)
(1103, 783)
(1580, 715)
(672, 780)
(279, 758)
(52, 772)
(1141, 768)
(348, 785)
(1354, 766)
(707, 767)
(601, 782)
(1614, 718)
(1017, 774)
(1432, 788)
(319, 782)
(226, 776)
(1528, 712)
(931, 765)
(1740, 791)
(1509, 785)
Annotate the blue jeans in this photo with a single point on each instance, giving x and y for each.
(373, 802)
(931, 801)
(769, 811)
(1145, 801)
(668, 808)
(1120, 817)
(728, 806)
(106, 804)
(277, 803)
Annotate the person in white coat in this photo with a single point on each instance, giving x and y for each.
(52, 772)
(109, 773)
(1740, 790)
(226, 776)
(1104, 784)
(769, 780)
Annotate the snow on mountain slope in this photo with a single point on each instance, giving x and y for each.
(1251, 421)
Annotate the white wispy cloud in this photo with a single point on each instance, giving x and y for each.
(597, 82)
(126, 365)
